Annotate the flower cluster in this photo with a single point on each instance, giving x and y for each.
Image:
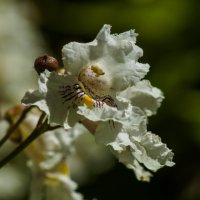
(102, 87)
(47, 157)
(50, 170)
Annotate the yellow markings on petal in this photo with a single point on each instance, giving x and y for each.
(35, 152)
(51, 179)
(62, 168)
(97, 70)
(52, 176)
(88, 101)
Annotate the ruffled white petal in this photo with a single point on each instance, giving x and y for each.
(116, 54)
(76, 55)
(128, 137)
(144, 96)
(130, 162)
(49, 100)
(47, 160)
(149, 151)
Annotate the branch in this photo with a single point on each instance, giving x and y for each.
(14, 127)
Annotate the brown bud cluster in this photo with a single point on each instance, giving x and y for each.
(46, 62)
(14, 111)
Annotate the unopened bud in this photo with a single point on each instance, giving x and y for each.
(46, 62)
(14, 112)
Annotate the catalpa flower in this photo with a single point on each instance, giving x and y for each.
(129, 139)
(103, 84)
(96, 71)
(48, 162)
(47, 157)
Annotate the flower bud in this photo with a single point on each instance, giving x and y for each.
(46, 62)
(14, 112)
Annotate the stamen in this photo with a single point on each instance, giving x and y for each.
(97, 70)
(88, 101)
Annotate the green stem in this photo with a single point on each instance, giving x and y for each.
(36, 132)
(14, 127)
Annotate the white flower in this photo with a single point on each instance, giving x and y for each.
(129, 140)
(52, 98)
(115, 56)
(103, 84)
(53, 186)
(144, 96)
(98, 69)
(48, 162)
(51, 148)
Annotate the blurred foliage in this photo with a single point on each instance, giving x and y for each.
(169, 35)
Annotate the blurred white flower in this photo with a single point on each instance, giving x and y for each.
(54, 186)
(96, 71)
(20, 43)
(13, 181)
(48, 157)
(103, 85)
